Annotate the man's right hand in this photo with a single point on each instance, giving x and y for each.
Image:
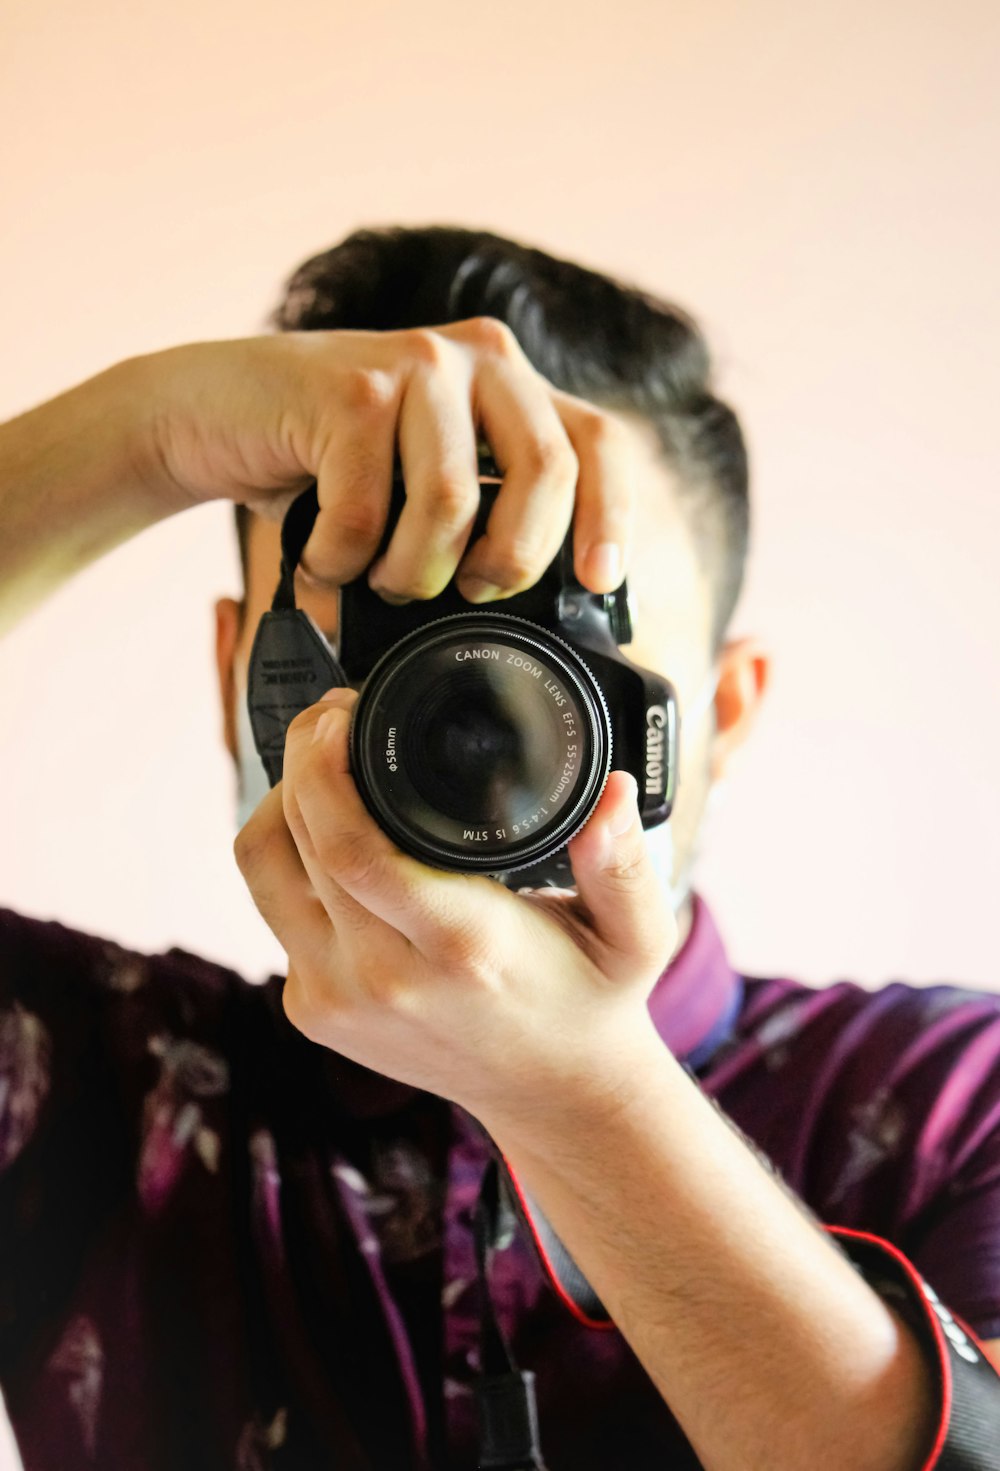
(253, 421)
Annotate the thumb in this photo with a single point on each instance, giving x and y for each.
(618, 883)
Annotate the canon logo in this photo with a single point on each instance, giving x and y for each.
(656, 720)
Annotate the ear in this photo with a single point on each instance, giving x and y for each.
(744, 676)
(228, 621)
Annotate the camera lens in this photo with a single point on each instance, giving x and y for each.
(481, 742)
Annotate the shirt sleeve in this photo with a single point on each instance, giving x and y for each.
(957, 1244)
(911, 1138)
(949, 1223)
(64, 1152)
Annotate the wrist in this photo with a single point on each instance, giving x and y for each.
(77, 478)
(591, 1095)
(139, 389)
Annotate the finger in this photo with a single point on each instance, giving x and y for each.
(318, 1013)
(279, 886)
(534, 506)
(298, 1006)
(348, 917)
(354, 479)
(437, 446)
(618, 883)
(352, 849)
(605, 493)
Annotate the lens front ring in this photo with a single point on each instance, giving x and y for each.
(481, 743)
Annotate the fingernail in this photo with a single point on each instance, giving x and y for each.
(312, 579)
(389, 597)
(478, 590)
(330, 722)
(623, 818)
(336, 693)
(605, 563)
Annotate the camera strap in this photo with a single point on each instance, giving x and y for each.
(508, 1413)
(291, 663)
(565, 1277)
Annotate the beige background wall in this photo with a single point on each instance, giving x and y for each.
(817, 181)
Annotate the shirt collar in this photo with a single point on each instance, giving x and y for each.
(698, 990)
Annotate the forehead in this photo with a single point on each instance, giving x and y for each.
(667, 580)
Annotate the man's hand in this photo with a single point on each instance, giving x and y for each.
(530, 1011)
(252, 420)
(501, 1002)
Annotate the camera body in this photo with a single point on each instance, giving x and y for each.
(483, 735)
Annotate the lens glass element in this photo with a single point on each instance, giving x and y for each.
(481, 741)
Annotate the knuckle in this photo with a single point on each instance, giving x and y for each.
(623, 876)
(290, 806)
(359, 520)
(250, 849)
(425, 346)
(366, 392)
(451, 499)
(299, 1013)
(459, 950)
(491, 337)
(515, 565)
(550, 458)
(317, 1002)
(601, 431)
(299, 730)
(382, 985)
(348, 857)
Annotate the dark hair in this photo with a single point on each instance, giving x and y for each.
(586, 333)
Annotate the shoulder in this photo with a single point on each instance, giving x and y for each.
(84, 1018)
(905, 1027)
(881, 1109)
(39, 956)
(846, 1086)
(46, 964)
(81, 986)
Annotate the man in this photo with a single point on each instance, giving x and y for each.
(237, 1222)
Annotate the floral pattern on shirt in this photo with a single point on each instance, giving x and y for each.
(259, 1439)
(878, 1127)
(25, 1060)
(211, 1335)
(402, 1199)
(122, 971)
(79, 1360)
(775, 1037)
(174, 1125)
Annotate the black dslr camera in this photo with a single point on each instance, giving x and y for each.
(483, 736)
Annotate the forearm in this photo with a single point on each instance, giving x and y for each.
(766, 1344)
(76, 480)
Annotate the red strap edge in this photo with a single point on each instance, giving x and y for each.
(940, 1343)
(600, 1325)
(845, 1232)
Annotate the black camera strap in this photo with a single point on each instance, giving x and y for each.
(508, 1414)
(291, 663)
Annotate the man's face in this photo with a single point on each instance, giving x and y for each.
(672, 608)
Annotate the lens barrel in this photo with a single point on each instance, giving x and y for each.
(481, 742)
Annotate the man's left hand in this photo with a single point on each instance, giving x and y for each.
(495, 1000)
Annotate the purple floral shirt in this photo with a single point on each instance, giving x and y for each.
(222, 1246)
